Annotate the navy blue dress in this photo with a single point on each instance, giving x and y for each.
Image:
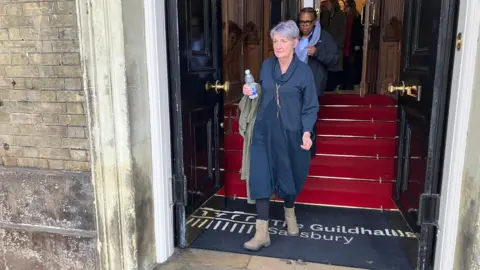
(288, 108)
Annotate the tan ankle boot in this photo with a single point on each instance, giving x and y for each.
(261, 238)
(291, 219)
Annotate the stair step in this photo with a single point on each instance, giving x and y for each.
(353, 167)
(348, 199)
(344, 128)
(352, 99)
(332, 166)
(328, 191)
(355, 113)
(355, 128)
(356, 146)
(231, 111)
(233, 142)
(231, 125)
(347, 101)
(232, 161)
(348, 113)
(349, 186)
(335, 146)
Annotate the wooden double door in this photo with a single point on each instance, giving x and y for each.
(211, 42)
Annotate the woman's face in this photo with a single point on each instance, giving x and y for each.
(283, 46)
(306, 22)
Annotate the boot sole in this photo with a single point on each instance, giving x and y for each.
(262, 246)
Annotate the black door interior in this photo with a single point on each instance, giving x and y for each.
(427, 46)
(194, 52)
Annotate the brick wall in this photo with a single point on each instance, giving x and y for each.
(42, 105)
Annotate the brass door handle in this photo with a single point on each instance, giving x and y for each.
(217, 86)
(410, 90)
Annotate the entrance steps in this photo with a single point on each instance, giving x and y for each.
(355, 157)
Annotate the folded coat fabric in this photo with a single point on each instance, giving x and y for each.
(248, 112)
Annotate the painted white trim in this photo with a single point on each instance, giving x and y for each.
(457, 129)
(156, 48)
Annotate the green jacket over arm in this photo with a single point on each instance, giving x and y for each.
(248, 112)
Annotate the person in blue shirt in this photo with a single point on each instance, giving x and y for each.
(282, 134)
(317, 48)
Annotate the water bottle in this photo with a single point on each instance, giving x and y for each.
(251, 83)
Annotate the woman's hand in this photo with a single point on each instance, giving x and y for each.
(307, 141)
(247, 91)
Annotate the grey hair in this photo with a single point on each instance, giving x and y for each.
(288, 29)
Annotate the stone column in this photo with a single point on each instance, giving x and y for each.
(102, 47)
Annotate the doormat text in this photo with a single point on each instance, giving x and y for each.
(244, 223)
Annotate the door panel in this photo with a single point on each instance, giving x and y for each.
(422, 95)
(242, 49)
(195, 57)
(276, 11)
(371, 43)
(391, 17)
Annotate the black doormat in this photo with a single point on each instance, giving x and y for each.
(369, 239)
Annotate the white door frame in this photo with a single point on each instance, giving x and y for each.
(158, 86)
(459, 114)
(457, 129)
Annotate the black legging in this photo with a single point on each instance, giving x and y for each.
(348, 76)
(263, 206)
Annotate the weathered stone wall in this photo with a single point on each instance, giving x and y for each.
(47, 217)
(42, 110)
(467, 255)
(47, 220)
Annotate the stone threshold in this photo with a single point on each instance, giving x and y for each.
(198, 259)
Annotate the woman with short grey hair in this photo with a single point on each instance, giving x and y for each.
(282, 134)
(288, 29)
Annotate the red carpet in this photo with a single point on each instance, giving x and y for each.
(355, 158)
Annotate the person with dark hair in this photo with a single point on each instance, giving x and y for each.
(352, 52)
(334, 22)
(317, 48)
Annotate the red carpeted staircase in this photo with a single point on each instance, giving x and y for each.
(355, 159)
